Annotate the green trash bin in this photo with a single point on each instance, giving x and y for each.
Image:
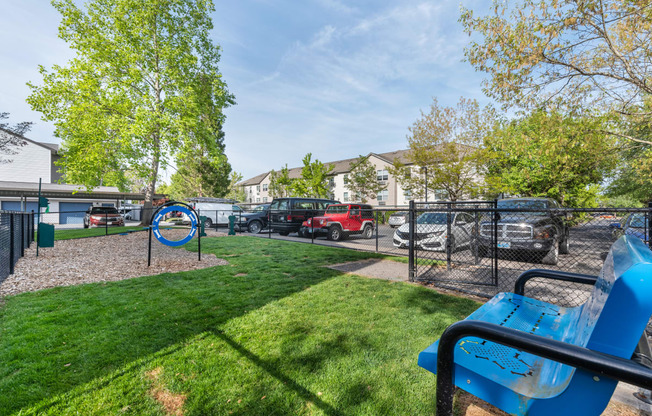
(202, 225)
(231, 224)
(45, 235)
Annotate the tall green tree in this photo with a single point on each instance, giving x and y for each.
(363, 179)
(314, 179)
(568, 54)
(280, 183)
(236, 192)
(448, 141)
(551, 155)
(143, 84)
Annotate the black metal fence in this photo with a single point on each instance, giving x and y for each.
(483, 248)
(16, 234)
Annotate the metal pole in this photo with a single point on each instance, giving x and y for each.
(411, 269)
(648, 224)
(449, 218)
(149, 246)
(11, 244)
(495, 244)
(269, 222)
(198, 231)
(106, 222)
(312, 229)
(22, 235)
(38, 216)
(376, 231)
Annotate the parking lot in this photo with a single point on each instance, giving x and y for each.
(589, 243)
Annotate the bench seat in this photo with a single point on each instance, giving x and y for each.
(611, 321)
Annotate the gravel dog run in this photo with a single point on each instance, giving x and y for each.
(101, 259)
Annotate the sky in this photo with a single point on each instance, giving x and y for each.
(330, 77)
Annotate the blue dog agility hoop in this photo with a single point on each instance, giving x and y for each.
(161, 214)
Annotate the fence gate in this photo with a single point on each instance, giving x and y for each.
(443, 237)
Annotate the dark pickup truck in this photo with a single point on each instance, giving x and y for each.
(539, 235)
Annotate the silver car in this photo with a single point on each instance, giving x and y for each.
(431, 231)
(398, 218)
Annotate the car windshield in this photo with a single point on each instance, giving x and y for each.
(337, 209)
(399, 214)
(432, 218)
(279, 205)
(637, 221)
(260, 208)
(523, 204)
(103, 210)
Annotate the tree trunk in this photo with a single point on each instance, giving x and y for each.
(148, 208)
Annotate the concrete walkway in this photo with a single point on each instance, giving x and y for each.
(396, 271)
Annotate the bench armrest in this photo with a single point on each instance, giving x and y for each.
(578, 357)
(519, 287)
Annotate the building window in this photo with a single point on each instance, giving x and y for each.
(257, 199)
(257, 188)
(346, 179)
(265, 187)
(441, 194)
(331, 181)
(407, 194)
(383, 195)
(383, 175)
(264, 199)
(346, 197)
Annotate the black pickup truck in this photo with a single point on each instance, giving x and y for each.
(535, 235)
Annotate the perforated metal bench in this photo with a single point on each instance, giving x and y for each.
(529, 357)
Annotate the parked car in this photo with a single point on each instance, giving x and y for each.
(103, 217)
(538, 235)
(398, 218)
(287, 214)
(216, 213)
(431, 231)
(634, 224)
(341, 220)
(255, 220)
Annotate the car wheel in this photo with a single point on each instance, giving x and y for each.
(335, 233)
(564, 246)
(208, 223)
(552, 257)
(368, 231)
(255, 227)
(284, 233)
(85, 224)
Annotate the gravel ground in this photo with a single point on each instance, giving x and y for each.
(101, 259)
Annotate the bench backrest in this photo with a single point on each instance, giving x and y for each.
(619, 308)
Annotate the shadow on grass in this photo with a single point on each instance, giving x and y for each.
(55, 340)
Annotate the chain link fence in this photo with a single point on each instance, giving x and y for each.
(16, 234)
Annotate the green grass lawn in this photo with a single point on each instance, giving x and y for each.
(271, 333)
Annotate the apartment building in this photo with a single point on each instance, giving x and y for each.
(19, 185)
(257, 188)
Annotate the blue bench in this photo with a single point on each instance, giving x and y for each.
(529, 357)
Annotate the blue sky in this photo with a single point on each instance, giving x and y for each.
(330, 77)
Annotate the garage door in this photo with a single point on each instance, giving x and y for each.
(15, 206)
(72, 212)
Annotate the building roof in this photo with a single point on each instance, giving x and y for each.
(340, 166)
(56, 190)
(52, 147)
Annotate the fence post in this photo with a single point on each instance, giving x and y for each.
(376, 231)
(496, 218)
(22, 235)
(11, 243)
(449, 230)
(106, 222)
(269, 222)
(411, 269)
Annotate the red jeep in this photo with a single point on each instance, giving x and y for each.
(340, 221)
